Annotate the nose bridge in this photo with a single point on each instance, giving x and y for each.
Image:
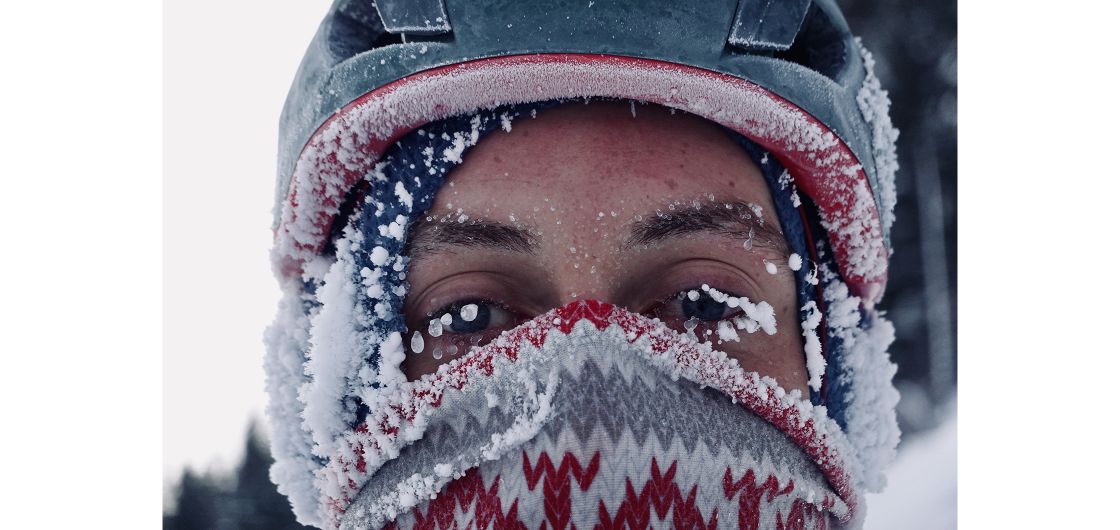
(582, 268)
(582, 284)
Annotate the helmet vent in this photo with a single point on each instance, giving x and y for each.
(766, 25)
(819, 45)
(417, 17)
(355, 28)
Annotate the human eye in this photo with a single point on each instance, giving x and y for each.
(709, 314)
(459, 326)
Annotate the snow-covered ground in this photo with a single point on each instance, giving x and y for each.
(921, 491)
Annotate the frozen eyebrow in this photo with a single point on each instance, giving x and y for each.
(729, 219)
(427, 237)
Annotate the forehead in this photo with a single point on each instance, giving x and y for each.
(576, 161)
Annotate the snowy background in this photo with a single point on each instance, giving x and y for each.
(228, 68)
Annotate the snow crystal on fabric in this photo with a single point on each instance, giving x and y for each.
(814, 360)
(403, 414)
(286, 340)
(336, 354)
(602, 377)
(875, 106)
(866, 370)
(349, 141)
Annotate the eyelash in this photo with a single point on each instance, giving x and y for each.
(495, 318)
(702, 295)
(454, 309)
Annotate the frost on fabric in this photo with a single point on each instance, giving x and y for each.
(814, 358)
(401, 417)
(785, 180)
(349, 144)
(510, 372)
(403, 195)
(286, 341)
(335, 353)
(535, 411)
(866, 366)
(353, 342)
(875, 106)
(861, 240)
(461, 141)
(795, 262)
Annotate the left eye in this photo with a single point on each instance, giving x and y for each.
(702, 306)
(702, 303)
(469, 316)
(454, 330)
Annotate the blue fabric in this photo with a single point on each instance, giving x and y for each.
(405, 162)
(808, 238)
(789, 217)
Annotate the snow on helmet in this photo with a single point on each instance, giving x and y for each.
(788, 76)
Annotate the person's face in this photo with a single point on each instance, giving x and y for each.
(591, 202)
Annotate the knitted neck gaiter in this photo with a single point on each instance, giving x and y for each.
(593, 417)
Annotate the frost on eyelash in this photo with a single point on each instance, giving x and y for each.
(753, 318)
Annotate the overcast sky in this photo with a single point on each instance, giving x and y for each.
(228, 66)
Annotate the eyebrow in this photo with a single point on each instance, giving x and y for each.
(427, 237)
(734, 219)
(731, 219)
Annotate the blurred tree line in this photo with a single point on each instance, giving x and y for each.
(915, 47)
(246, 499)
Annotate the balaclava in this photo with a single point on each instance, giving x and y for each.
(586, 416)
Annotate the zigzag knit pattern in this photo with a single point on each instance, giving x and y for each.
(472, 502)
(621, 443)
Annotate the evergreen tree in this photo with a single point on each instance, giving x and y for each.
(196, 507)
(259, 504)
(249, 501)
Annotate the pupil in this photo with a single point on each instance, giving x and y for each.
(481, 320)
(703, 308)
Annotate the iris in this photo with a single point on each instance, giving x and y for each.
(460, 325)
(703, 308)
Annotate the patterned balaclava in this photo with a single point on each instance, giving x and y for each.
(588, 416)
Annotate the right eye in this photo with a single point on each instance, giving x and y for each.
(458, 327)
